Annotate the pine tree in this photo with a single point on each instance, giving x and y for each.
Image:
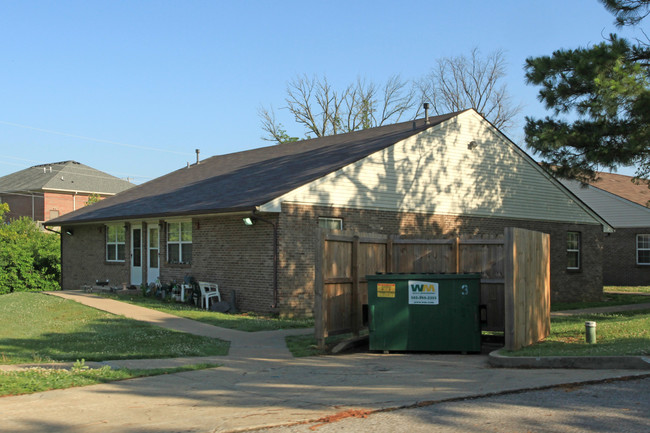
(600, 97)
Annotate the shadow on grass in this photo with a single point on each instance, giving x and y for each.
(110, 338)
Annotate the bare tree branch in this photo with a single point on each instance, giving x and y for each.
(322, 110)
(459, 83)
(273, 128)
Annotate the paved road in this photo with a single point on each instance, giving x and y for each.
(618, 406)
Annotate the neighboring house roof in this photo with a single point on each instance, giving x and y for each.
(623, 186)
(617, 209)
(64, 176)
(243, 181)
(456, 164)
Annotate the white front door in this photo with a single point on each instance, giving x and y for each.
(136, 255)
(153, 242)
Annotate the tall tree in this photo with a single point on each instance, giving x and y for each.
(600, 97)
(320, 109)
(458, 83)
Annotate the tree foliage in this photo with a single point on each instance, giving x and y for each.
(30, 259)
(628, 12)
(93, 198)
(458, 83)
(600, 98)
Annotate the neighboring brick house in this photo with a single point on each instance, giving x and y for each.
(47, 191)
(448, 175)
(623, 203)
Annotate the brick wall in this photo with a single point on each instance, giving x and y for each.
(224, 251)
(619, 264)
(43, 204)
(62, 203)
(240, 258)
(83, 258)
(235, 256)
(297, 238)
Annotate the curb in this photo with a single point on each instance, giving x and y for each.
(495, 359)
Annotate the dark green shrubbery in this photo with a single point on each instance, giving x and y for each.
(30, 259)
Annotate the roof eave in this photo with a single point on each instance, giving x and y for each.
(61, 221)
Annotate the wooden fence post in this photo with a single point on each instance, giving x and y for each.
(509, 288)
(390, 266)
(320, 301)
(356, 322)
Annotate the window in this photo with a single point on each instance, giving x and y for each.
(643, 249)
(153, 246)
(573, 250)
(179, 242)
(115, 236)
(330, 223)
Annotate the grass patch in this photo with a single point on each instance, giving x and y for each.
(35, 327)
(609, 300)
(44, 379)
(306, 345)
(618, 334)
(248, 322)
(629, 289)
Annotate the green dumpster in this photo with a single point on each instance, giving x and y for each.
(424, 312)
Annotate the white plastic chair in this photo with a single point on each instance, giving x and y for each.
(208, 291)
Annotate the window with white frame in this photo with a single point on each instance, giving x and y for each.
(643, 249)
(115, 240)
(330, 223)
(179, 242)
(573, 250)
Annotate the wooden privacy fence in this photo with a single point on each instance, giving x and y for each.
(527, 287)
(345, 258)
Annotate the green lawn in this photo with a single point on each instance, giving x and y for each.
(35, 327)
(617, 334)
(44, 379)
(243, 322)
(631, 289)
(609, 299)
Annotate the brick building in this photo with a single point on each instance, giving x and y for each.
(248, 220)
(47, 191)
(623, 203)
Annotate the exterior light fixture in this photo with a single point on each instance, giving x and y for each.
(249, 221)
(68, 232)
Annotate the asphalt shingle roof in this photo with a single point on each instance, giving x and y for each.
(244, 180)
(624, 186)
(63, 176)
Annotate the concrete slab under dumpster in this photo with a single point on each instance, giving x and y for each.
(424, 312)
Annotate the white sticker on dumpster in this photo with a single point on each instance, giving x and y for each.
(423, 293)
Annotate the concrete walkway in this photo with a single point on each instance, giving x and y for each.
(260, 385)
(248, 345)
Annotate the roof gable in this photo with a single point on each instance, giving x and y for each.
(463, 166)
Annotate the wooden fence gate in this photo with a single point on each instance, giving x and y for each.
(345, 258)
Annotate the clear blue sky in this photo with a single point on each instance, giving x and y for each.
(133, 87)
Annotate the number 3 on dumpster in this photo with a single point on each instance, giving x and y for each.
(464, 290)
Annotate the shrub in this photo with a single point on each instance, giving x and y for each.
(30, 259)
